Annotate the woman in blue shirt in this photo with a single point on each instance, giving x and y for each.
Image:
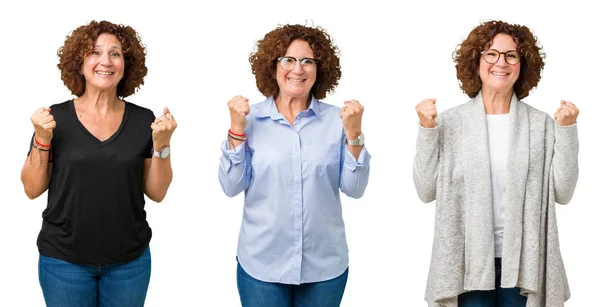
(291, 154)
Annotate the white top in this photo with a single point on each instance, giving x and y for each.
(498, 141)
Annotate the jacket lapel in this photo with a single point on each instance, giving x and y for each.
(517, 170)
(479, 220)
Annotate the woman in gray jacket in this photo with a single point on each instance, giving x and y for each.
(496, 167)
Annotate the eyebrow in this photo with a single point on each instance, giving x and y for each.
(113, 47)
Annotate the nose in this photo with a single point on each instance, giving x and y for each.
(502, 60)
(298, 67)
(105, 59)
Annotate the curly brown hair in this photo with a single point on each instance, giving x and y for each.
(80, 43)
(264, 59)
(467, 56)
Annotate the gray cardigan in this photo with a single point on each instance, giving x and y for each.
(452, 165)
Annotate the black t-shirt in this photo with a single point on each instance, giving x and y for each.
(95, 212)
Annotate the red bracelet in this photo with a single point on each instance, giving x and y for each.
(40, 144)
(236, 134)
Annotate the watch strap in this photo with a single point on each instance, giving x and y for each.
(358, 142)
(159, 154)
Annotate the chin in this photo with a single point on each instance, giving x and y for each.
(104, 87)
(300, 95)
(296, 94)
(501, 87)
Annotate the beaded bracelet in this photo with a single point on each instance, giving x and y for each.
(236, 138)
(40, 149)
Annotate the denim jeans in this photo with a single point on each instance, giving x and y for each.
(256, 293)
(500, 297)
(65, 284)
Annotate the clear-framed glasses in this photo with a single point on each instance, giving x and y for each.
(492, 56)
(288, 63)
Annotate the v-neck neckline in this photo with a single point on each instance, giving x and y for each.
(93, 137)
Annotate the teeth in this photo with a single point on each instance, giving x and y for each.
(499, 74)
(295, 80)
(104, 72)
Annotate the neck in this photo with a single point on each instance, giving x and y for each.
(291, 105)
(99, 101)
(496, 102)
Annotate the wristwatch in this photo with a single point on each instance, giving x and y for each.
(163, 153)
(359, 142)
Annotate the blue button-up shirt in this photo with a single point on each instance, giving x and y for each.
(292, 228)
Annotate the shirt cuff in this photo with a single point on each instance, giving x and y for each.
(566, 134)
(236, 155)
(434, 128)
(352, 163)
(569, 126)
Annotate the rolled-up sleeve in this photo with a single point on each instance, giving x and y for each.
(354, 172)
(235, 169)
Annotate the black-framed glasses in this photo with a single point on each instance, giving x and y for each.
(492, 56)
(288, 63)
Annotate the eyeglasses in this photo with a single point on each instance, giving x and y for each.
(492, 56)
(288, 63)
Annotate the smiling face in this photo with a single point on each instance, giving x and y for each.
(104, 66)
(296, 83)
(500, 76)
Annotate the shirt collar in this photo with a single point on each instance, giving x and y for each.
(268, 109)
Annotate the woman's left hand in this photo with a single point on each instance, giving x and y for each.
(162, 129)
(566, 114)
(351, 115)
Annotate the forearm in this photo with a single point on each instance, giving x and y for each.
(354, 150)
(160, 175)
(36, 172)
(236, 135)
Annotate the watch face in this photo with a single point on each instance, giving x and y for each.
(164, 153)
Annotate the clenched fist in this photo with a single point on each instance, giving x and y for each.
(566, 114)
(43, 123)
(238, 109)
(351, 115)
(162, 129)
(427, 113)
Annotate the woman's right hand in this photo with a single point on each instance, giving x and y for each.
(43, 123)
(238, 109)
(427, 113)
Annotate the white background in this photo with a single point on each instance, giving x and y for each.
(392, 57)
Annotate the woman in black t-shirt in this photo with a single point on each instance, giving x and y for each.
(98, 155)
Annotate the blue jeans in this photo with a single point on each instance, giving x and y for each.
(500, 297)
(72, 285)
(256, 293)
